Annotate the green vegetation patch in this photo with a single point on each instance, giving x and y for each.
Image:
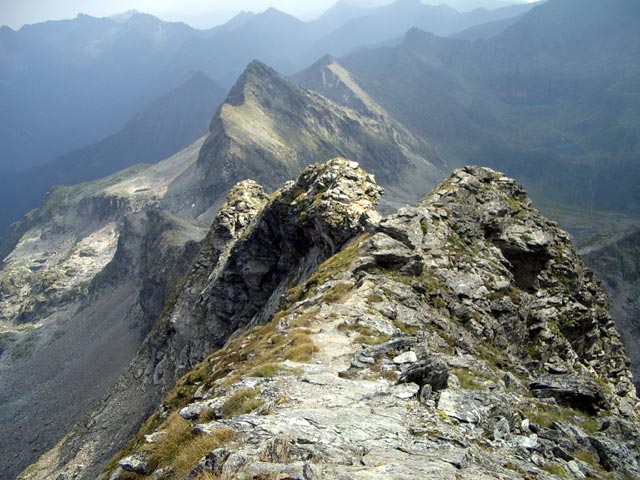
(471, 379)
(338, 263)
(242, 402)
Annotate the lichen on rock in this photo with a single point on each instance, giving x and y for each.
(459, 338)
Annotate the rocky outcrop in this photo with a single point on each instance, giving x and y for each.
(80, 290)
(617, 264)
(257, 248)
(460, 338)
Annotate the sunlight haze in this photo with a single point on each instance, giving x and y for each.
(197, 13)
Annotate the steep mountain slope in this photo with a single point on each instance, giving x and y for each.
(79, 291)
(617, 265)
(170, 123)
(460, 338)
(269, 129)
(249, 258)
(552, 100)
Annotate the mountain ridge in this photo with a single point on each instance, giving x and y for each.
(168, 124)
(363, 344)
(518, 105)
(271, 129)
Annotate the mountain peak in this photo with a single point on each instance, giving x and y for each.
(255, 74)
(124, 16)
(198, 76)
(256, 66)
(274, 13)
(324, 61)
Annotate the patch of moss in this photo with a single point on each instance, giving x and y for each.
(339, 293)
(546, 414)
(338, 263)
(365, 335)
(181, 448)
(267, 371)
(300, 348)
(555, 468)
(515, 468)
(404, 328)
(470, 379)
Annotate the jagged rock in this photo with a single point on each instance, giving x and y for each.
(405, 390)
(194, 410)
(154, 437)
(392, 254)
(464, 406)
(570, 390)
(428, 371)
(135, 464)
(575, 469)
(501, 291)
(616, 456)
(406, 357)
(370, 355)
(529, 442)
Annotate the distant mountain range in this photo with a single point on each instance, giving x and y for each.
(68, 84)
(554, 99)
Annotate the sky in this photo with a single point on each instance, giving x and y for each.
(197, 13)
(208, 13)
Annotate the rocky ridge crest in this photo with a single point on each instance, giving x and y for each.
(460, 338)
(258, 247)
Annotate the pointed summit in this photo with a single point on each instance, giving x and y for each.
(236, 22)
(270, 129)
(256, 78)
(124, 16)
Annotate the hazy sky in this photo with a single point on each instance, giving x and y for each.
(15, 13)
(198, 13)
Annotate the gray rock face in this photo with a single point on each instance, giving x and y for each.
(87, 271)
(570, 390)
(136, 464)
(617, 264)
(428, 371)
(368, 370)
(257, 247)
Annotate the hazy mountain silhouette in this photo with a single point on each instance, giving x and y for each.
(69, 83)
(553, 100)
(393, 20)
(164, 127)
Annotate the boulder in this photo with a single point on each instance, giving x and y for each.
(427, 371)
(570, 390)
(135, 464)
